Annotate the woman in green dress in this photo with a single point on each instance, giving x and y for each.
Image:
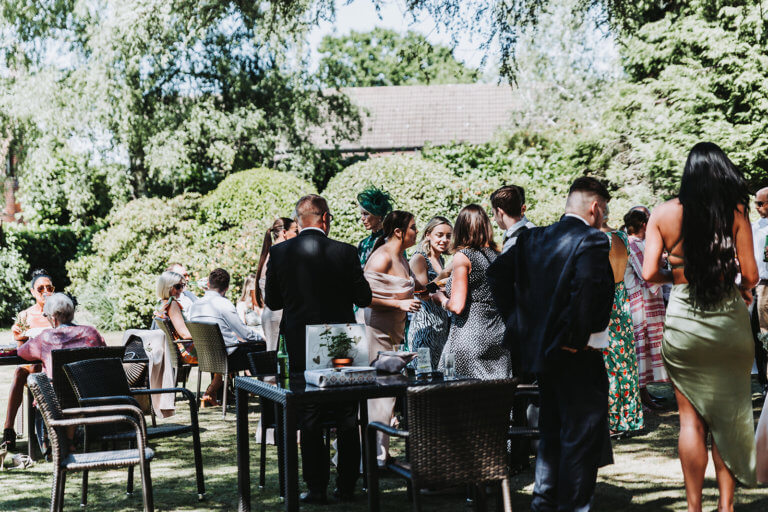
(707, 347)
(625, 410)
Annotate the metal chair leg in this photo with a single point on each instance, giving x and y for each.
(506, 495)
(263, 456)
(224, 401)
(146, 485)
(84, 492)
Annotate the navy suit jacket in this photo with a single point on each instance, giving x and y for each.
(554, 288)
(314, 280)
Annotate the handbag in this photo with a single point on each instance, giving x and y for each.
(392, 362)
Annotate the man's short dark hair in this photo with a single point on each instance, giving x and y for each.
(509, 198)
(218, 279)
(590, 184)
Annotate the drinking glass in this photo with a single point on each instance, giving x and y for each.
(398, 348)
(450, 366)
(424, 364)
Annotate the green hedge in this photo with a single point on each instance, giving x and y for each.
(50, 248)
(116, 283)
(421, 187)
(13, 287)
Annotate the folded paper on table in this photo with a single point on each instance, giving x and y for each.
(317, 351)
(347, 376)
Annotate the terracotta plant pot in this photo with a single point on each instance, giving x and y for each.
(340, 362)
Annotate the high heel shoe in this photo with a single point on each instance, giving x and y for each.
(9, 438)
(208, 401)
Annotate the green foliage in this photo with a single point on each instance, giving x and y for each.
(223, 229)
(13, 287)
(384, 57)
(50, 248)
(119, 99)
(421, 187)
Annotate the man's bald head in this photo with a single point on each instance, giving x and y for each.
(761, 202)
(312, 211)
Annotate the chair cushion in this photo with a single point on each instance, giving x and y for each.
(104, 460)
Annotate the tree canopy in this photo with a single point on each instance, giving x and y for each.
(385, 57)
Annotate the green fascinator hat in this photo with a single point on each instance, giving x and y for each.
(375, 201)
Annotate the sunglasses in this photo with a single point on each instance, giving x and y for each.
(760, 203)
(178, 286)
(44, 288)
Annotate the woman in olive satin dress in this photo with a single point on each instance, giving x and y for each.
(707, 347)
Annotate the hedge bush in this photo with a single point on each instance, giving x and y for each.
(421, 187)
(50, 248)
(13, 286)
(116, 283)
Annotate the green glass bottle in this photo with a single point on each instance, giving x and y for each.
(282, 359)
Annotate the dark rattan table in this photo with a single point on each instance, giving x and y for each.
(289, 398)
(16, 361)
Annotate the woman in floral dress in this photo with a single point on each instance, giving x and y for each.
(625, 411)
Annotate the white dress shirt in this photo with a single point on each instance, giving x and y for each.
(512, 232)
(759, 233)
(213, 308)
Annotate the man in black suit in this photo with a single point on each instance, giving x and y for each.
(316, 280)
(555, 289)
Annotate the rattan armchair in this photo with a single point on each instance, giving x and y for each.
(211, 353)
(457, 435)
(101, 381)
(181, 369)
(57, 420)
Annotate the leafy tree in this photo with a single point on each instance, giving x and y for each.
(133, 98)
(385, 57)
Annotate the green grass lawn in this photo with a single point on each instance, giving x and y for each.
(645, 477)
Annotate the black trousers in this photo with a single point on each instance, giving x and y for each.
(238, 359)
(575, 439)
(315, 465)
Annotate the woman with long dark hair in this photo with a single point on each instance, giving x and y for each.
(389, 275)
(707, 346)
(477, 330)
(282, 229)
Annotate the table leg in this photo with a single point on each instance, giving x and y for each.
(363, 444)
(243, 454)
(31, 440)
(291, 459)
(280, 442)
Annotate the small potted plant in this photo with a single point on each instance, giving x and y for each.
(339, 347)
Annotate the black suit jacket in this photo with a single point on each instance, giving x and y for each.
(314, 280)
(554, 288)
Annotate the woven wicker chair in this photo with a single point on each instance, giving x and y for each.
(457, 435)
(56, 420)
(181, 369)
(101, 381)
(264, 365)
(521, 434)
(211, 353)
(64, 392)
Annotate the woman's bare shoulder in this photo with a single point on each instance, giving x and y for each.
(379, 261)
(671, 207)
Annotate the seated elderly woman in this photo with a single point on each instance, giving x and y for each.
(60, 311)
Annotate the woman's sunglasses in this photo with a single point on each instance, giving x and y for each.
(44, 288)
(178, 286)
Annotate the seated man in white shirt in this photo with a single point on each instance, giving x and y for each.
(240, 339)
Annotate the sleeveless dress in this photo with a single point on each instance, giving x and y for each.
(385, 327)
(708, 355)
(186, 348)
(646, 300)
(476, 335)
(625, 411)
(430, 325)
(270, 320)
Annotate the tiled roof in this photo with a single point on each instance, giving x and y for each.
(405, 117)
